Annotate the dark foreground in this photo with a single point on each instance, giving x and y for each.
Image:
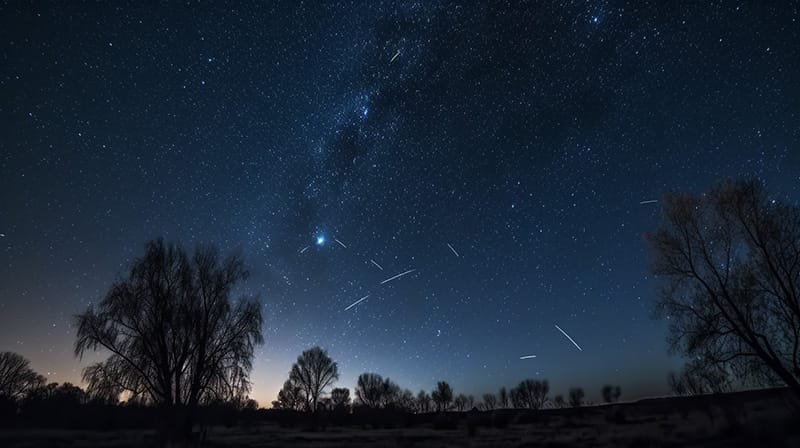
(747, 419)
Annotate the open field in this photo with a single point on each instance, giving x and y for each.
(747, 419)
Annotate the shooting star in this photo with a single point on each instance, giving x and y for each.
(398, 276)
(395, 56)
(650, 201)
(527, 357)
(340, 243)
(2, 235)
(570, 339)
(304, 249)
(376, 264)
(454, 251)
(357, 302)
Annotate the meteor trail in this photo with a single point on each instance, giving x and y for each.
(376, 264)
(398, 276)
(357, 302)
(570, 339)
(454, 251)
(304, 249)
(395, 56)
(527, 357)
(340, 243)
(651, 201)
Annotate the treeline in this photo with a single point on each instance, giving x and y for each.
(28, 400)
(314, 373)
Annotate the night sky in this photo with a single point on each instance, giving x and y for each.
(525, 137)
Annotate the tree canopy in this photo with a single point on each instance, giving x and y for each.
(731, 261)
(17, 378)
(174, 335)
(313, 372)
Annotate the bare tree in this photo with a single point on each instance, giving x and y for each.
(341, 398)
(17, 379)
(374, 391)
(423, 402)
(460, 402)
(291, 397)
(559, 402)
(390, 394)
(489, 401)
(406, 401)
(611, 393)
(576, 397)
(369, 390)
(531, 394)
(502, 397)
(442, 396)
(732, 261)
(696, 378)
(174, 335)
(314, 371)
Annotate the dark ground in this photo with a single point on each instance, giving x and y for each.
(744, 419)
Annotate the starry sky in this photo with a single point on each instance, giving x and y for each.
(501, 151)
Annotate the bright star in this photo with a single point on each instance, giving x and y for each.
(320, 240)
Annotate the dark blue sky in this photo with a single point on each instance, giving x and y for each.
(524, 135)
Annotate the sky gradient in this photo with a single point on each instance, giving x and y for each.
(509, 153)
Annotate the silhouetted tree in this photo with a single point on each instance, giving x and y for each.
(54, 405)
(325, 404)
(515, 396)
(369, 390)
(531, 394)
(460, 402)
(291, 397)
(390, 394)
(66, 394)
(175, 337)
(559, 402)
(69, 393)
(442, 396)
(423, 402)
(406, 401)
(502, 397)
(732, 263)
(313, 372)
(696, 378)
(576, 397)
(17, 379)
(611, 393)
(489, 402)
(374, 391)
(341, 398)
